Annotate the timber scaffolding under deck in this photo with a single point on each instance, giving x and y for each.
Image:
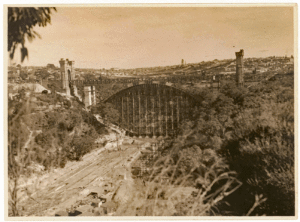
(152, 109)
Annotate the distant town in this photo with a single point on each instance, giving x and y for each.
(222, 68)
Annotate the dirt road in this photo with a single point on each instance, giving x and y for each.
(64, 187)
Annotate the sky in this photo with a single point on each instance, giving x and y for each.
(133, 37)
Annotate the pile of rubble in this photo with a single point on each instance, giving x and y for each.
(95, 200)
(101, 198)
(32, 87)
(114, 141)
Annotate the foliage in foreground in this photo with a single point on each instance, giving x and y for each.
(253, 129)
(182, 185)
(21, 21)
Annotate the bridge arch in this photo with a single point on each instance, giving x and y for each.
(152, 109)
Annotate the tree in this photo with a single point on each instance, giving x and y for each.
(89, 76)
(44, 74)
(21, 21)
(107, 111)
(23, 75)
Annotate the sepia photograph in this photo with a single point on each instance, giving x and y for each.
(172, 111)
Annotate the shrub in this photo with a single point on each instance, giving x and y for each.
(191, 184)
(253, 130)
(262, 153)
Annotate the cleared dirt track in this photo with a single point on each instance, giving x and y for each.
(64, 190)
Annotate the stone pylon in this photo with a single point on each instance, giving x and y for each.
(67, 74)
(87, 96)
(239, 68)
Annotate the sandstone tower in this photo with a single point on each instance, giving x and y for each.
(239, 68)
(67, 74)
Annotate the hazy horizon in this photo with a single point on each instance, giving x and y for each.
(134, 37)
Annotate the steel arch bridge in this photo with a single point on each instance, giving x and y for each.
(147, 107)
(152, 109)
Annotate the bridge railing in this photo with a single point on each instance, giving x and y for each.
(173, 79)
(144, 79)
